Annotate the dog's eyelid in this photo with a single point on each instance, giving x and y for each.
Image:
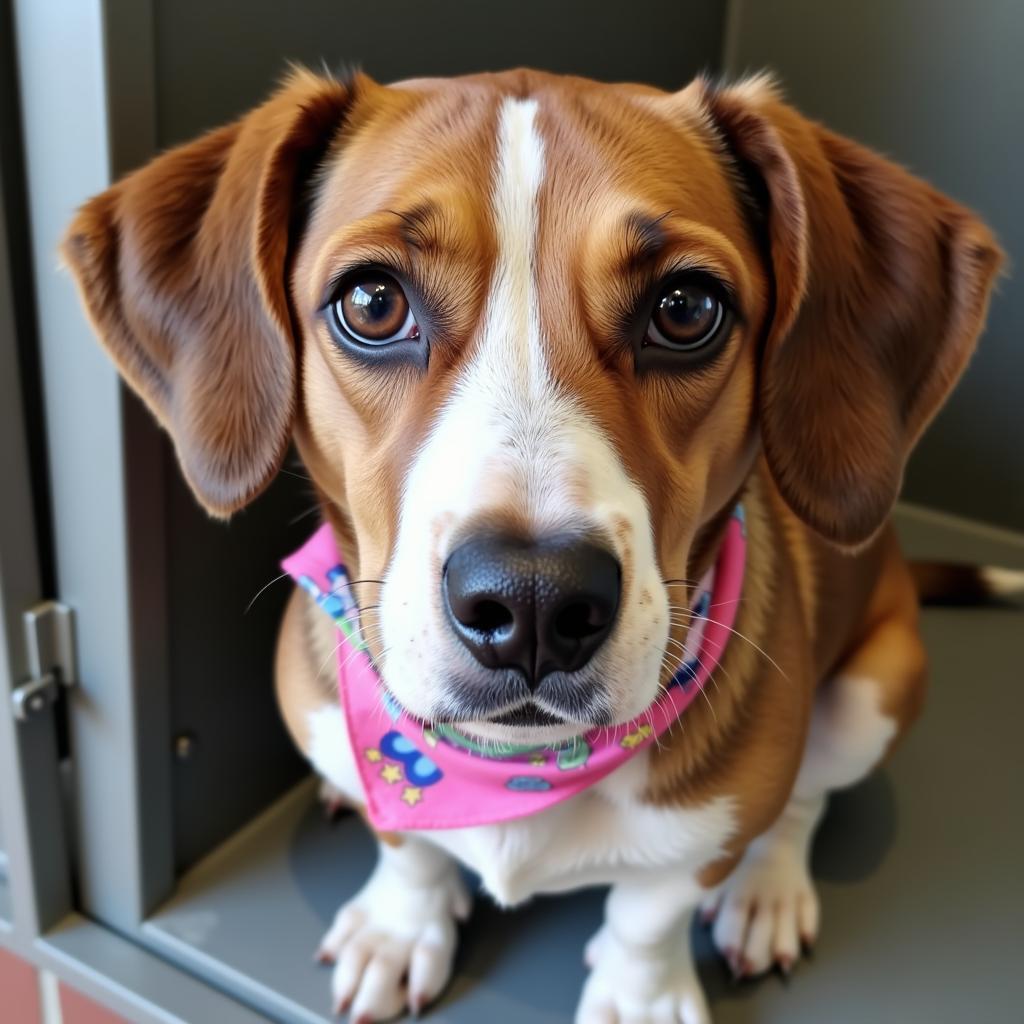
(710, 275)
(380, 262)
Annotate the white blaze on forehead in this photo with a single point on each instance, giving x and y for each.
(504, 436)
(508, 439)
(513, 322)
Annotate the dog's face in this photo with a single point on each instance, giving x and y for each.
(530, 335)
(525, 350)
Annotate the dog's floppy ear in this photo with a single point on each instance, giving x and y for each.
(181, 266)
(881, 287)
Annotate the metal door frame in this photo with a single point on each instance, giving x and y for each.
(86, 83)
(73, 96)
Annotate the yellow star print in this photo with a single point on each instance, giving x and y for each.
(391, 773)
(634, 739)
(372, 755)
(538, 760)
(412, 795)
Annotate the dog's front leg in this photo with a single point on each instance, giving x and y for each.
(641, 964)
(393, 943)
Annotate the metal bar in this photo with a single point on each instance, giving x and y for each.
(30, 804)
(138, 985)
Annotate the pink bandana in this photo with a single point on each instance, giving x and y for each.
(417, 777)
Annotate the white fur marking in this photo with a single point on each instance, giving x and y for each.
(847, 738)
(509, 438)
(330, 750)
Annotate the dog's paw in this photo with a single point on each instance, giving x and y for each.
(632, 986)
(765, 911)
(393, 943)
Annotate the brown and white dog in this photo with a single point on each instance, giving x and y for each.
(536, 305)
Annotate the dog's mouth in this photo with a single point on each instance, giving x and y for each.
(528, 715)
(503, 699)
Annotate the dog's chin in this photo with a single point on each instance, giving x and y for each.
(522, 733)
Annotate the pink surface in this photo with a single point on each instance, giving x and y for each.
(19, 991)
(417, 777)
(79, 1009)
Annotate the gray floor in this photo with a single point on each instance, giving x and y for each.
(919, 871)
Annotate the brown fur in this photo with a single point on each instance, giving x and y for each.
(861, 293)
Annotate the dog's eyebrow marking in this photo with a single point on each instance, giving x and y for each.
(645, 237)
(425, 227)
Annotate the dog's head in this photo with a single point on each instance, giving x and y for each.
(530, 335)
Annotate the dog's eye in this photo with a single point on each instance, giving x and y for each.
(372, 309)
(688, 315)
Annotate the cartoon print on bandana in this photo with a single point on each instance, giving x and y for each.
(419, 769)
(401, 762)
(574, 753)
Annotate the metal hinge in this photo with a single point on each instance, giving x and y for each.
(50, 640)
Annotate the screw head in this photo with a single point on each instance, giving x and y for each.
(184, 746)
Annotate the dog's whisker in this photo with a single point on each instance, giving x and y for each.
(373, 638)
(266, 586)
(303, 515)
(327, 660)
(735, 632)
(351, 583)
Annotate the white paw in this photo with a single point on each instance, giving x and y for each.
(627, 985)
(393, 943)
(766, 910)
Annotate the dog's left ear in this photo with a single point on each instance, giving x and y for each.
(182, 265)
(881, 286)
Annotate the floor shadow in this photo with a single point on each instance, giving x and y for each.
(857, 833)
(531, 954)
(329, 861)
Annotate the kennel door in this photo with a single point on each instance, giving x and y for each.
(34, 877)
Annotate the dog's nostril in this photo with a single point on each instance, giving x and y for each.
(538, 607)
(489, 617)
(579, 620)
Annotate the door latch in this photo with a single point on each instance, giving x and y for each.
(50, 641)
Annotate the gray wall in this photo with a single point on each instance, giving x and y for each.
(215, 58)
(939, 86)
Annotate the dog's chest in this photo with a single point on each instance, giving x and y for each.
(597, 837)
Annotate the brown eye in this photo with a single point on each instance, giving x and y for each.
(687, 316)
(373, 309)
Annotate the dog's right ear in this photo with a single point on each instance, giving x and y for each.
(881, 285)
(182, 265)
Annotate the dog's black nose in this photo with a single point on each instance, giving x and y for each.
(538, 607)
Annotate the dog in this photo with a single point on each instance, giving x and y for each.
(553, 353)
